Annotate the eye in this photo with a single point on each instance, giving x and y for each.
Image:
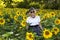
(31, 12)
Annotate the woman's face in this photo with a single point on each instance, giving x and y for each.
(32, 13)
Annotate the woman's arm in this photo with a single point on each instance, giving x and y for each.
(40, 26)
(27, 26)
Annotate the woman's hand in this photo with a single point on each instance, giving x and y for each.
(26, 27)
(41, 27)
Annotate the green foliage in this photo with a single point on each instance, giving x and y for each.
(42, 4)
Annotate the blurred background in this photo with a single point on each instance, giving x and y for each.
(43, 4)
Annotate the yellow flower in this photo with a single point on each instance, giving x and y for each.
(55, 30)
(47, 34)
(57, 21)
(15, 17)
(29, 36)
(2, 21)
(52, 13)
(23, 23)
(17, 0)
(58, 17)
(23, 13)
(2, 5)
(18, 13)
(46, 16)
(24, 17)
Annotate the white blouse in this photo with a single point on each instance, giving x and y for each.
(33, 21)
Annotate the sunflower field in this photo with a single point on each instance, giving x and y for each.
(13, 24)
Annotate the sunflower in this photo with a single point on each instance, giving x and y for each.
(52, 13)
(55, 30)
(58, 17)
(29, 36)
(45, 16)
(47, 34)
(2, 5)
(15, 17)
(48, 15)
(18, 13)
(57, 21)
(23, 23)
(24, 17)
(2, 21)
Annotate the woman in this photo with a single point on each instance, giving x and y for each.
(34, 21)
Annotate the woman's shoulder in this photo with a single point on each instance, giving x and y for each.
(28, 17)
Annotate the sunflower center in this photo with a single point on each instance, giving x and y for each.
(55, 29)
(47, 33)
(57, 21)
(59, 17)
(18, 12)
(24, 23)
(30, 36)
(1, 21)
(25, 17)
(52, 14)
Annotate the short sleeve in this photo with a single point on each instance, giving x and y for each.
(39, 18)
